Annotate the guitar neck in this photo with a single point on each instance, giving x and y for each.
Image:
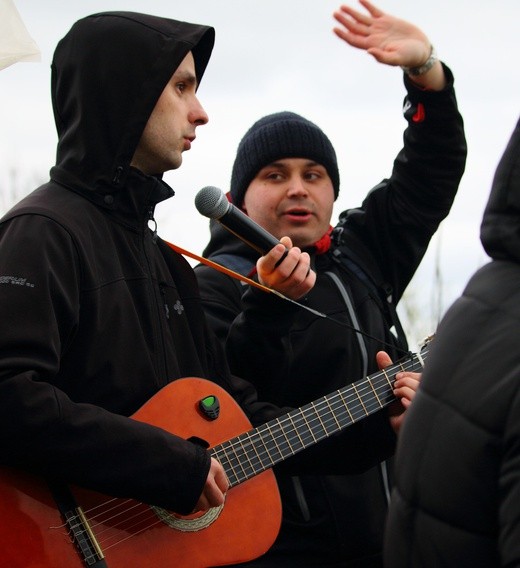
(261, 448)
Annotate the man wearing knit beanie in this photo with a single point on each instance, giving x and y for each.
(280, 135)
(285, 177)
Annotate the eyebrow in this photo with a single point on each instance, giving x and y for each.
(280, 163)
(185, 76)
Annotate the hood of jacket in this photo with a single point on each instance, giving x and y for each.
(500, 228)
(107, 74)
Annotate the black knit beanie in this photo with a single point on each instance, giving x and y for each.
(275, 137)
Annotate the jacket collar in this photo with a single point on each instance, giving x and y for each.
(131, 203)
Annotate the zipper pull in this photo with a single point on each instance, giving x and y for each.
(152, 218)
(117, 176)
(165, 302)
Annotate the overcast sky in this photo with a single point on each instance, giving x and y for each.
(273, 55)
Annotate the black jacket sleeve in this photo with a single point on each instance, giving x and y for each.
(44, 430)
(399, 216)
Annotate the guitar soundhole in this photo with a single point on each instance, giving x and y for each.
(189, 523)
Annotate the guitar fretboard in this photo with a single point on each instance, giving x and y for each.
(259, 449)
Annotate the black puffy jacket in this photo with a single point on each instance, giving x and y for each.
(456, 501)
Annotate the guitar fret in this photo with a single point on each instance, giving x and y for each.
(384, 387)
(295, 429)
(346, 406)
(230, 470)
(260, 464)
(251, 467)
(264, 436)
(254, 446)
(375, 393)
(332, 413)
(283, 444)
(287, 442)
(241, 471)
(387, 378)
(312, 427)
(309, 429)
(360, 400)
(308, 435)
(320, 418)
(233, 452)
(274, 445)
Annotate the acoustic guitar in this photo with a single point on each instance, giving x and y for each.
(96, 531)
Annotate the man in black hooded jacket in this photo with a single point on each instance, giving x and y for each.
(285, 177)
(98, 313)
(456, 501)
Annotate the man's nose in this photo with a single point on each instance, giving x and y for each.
(198, 115)
(297, 185)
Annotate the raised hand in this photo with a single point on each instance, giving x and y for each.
(389, 40)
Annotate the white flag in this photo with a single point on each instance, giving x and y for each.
(15, 42)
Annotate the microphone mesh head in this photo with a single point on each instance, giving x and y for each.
(211, 202)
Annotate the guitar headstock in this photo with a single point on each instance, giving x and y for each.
(424, 348)
(426, 341)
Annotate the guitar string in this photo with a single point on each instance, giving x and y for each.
(99, 519)
(112, 517)
(111, 529)
(358, 408)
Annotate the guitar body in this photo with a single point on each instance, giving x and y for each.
(134, 535)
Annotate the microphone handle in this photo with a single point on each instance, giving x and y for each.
(251, 233)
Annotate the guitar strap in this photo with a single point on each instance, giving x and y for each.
(240, 277)
(78, 527)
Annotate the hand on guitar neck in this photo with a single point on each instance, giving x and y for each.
(405, 386)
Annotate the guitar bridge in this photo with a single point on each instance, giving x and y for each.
(84, 538)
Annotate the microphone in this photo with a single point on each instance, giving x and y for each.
(211, 202)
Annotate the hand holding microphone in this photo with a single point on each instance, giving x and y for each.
(294, 279)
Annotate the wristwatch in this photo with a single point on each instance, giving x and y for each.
(415, 71)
